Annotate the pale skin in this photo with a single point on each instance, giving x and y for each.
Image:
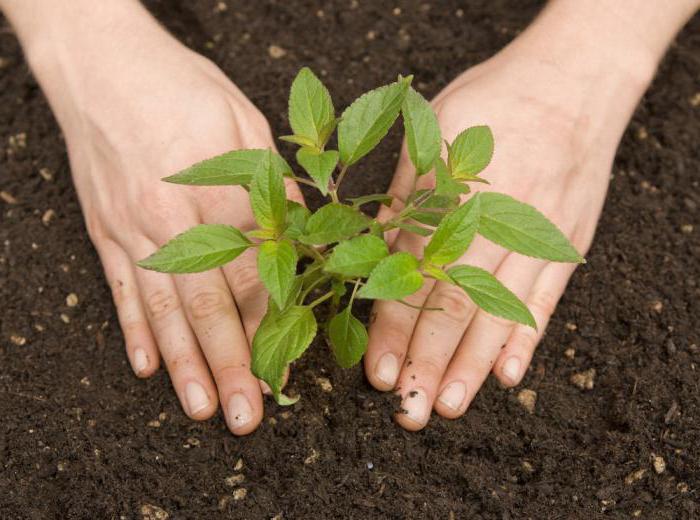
(558, 100)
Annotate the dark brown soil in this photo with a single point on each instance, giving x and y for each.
(75, 439)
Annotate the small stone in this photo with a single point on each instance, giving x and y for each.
(278, 516)
(311, 459)
(221, 7)
(46, 174)
(642, 133)
(65, 318)
(325, 384)
(286, 415)
(85, 381)
(659, 463)
(162, 416)
(18, 340)
(657, 306)
(370, 466)
(239, 465)
(320, 13)
(459, 13)
(584, 380)
(371, 35)
(276, 52)
(570, 353)
(223, 502)
(62, 466)
(48, 216)
(682, 487)
(235, 480)
(527, 399)
(527, 467)
(695, 100)
(151, 512)
(193, 441)
(8, 198)
(17, 141)
(635, 476)
(571, 326)
(397, 11)
(240, 494)
(637, 513)
(687, 229)
(153, 424)
(72, 300)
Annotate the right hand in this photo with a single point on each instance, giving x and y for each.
(131, 116)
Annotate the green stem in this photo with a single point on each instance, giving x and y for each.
(335, 185)
(303, 181)
(321, 299)
(311, 287)
(311, 251)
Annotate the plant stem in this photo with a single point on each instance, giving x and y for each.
(419, 307)
(321, 299)
(335, 185)
(311, 251)
(311, 287)
(303, 181)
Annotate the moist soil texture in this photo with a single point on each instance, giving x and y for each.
(81, 437)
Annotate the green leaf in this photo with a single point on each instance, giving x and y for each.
(310, 108)
(198, 249)
(434, 202)
(281, 338)
(375, 197)
(297, 216)
(470, 152)
(268, 197)
(277, 265)
(332, 223)
(368, 119)
(319, 166)
(357, 257)
(395, 277)
(348, 338)
(301, 141)
(436, 273)
(490, 294)
(232, 168)
(422, 132)
(445, 185)
(454, 234)
(412, 228)
(521, 228)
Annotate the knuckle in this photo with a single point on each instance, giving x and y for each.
(496, 321)
(245, 279)
(455, 304)
(524, 339)
(543, 303)
(398, 335)
(427, 367)
(209, 304)
(160, 304)
(232, 373)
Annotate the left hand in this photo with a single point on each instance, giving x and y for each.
(554, 147)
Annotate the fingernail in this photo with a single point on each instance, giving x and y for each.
(265, 388)
(239, 411)
(197, 398)
(511, 369)
(415, 405)
(140, 362)
(387, 369)
(453, 395)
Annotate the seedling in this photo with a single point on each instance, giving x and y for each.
(338, 254)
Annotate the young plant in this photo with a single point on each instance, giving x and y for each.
(338, 254)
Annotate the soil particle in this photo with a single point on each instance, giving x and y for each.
(276, 52)
(635, 476)
(152, 512)
(235, 480)
(527, 399)
(584, 380)
(72, 300)
(240, 493)
(8, 198)
(325, 384)
(48, 216)
(658, 463)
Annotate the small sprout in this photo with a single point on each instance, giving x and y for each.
(315, 265)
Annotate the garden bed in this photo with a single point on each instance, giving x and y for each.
(81, 437)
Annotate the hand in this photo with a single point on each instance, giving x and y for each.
(139, 113)
(555, 143)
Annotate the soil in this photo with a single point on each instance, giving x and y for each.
(80, 437)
